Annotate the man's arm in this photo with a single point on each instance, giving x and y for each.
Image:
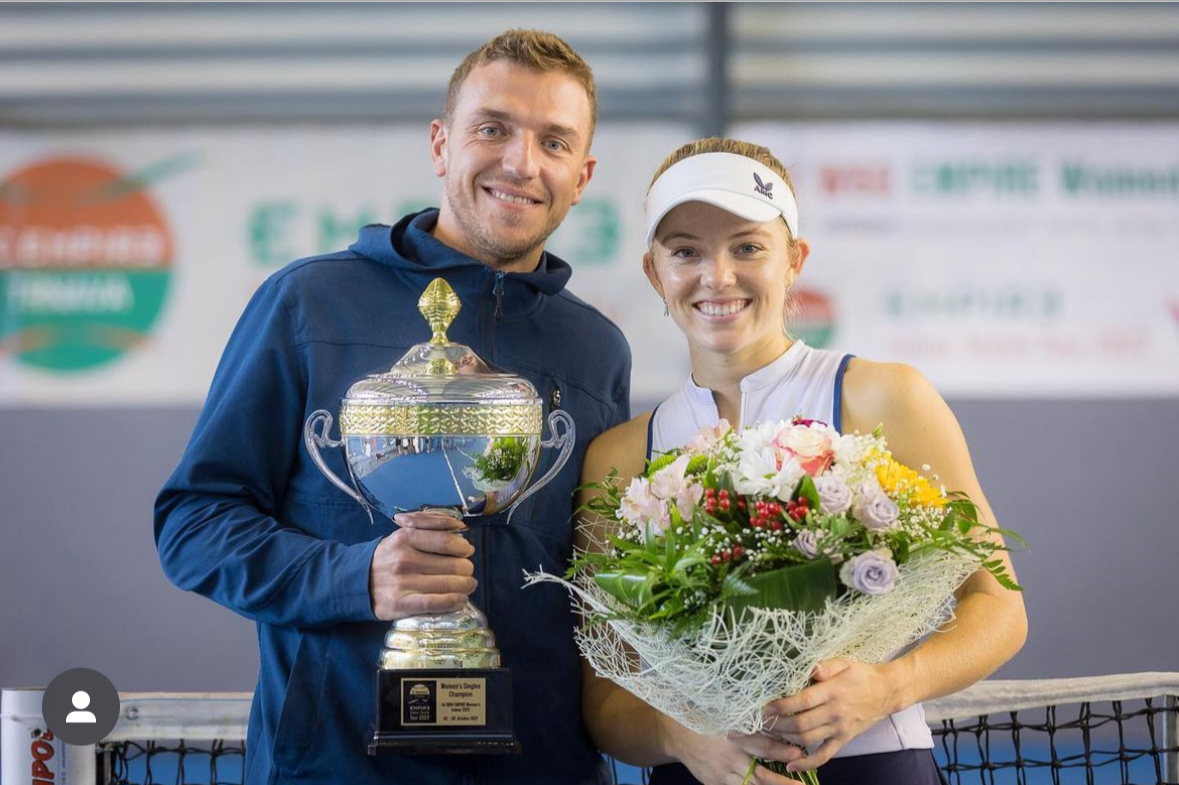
(215, 525)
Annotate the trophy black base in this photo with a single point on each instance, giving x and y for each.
(450, 711)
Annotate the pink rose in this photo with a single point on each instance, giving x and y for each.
(809, 446)
(706, 438)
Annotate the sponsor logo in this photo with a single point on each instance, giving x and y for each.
(1080, 179)
(42, 752)
(974, 178)
(962, 303)
(814, 320)
(765, 189)
(85, 262)
(855, 179)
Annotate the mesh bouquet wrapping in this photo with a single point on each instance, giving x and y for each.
(716, 581)
(718, 680)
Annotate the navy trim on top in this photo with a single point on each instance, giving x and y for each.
(651, 432)
(837, 418)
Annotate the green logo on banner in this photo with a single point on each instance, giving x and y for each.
(590, 234)
(85, 262)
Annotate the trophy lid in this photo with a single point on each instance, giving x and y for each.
(437, 375)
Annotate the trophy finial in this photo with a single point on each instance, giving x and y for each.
(439, 305)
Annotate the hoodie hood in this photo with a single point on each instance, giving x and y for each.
(409, 247)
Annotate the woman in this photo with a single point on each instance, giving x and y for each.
(724, 253)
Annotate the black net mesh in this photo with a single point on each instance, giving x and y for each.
(1086, 743)
(1131, 742)
(153, 762)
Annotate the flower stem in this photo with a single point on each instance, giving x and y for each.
(810, 776)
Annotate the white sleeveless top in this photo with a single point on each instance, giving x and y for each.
(806, 382)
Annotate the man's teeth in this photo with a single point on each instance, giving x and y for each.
(509, 198)
(717, 309)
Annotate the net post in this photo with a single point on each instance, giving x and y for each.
(1170, 740)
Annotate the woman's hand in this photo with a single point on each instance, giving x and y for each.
(727, 761)
(844, 700)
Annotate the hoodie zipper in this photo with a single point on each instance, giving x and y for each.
(498, 291)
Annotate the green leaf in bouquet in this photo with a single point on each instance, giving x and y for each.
(806, 490)
(899, 544)
(631, 589)
(799, 587)
(698, 465)
(663, 461)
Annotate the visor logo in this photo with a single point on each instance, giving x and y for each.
(765, 189)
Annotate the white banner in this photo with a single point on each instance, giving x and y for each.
(1001, 260)
(125, 259)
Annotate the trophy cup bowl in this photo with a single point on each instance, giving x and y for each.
(441, 430)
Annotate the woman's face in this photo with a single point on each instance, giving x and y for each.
(724, 278)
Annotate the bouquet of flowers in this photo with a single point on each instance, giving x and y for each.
(719, 578)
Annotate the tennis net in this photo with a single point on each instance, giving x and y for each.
(1089, 731)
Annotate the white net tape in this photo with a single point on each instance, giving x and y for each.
(997, 695)
(717, 680)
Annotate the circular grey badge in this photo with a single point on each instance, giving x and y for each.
(80, 706)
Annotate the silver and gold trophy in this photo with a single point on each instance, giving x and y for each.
(441, 430)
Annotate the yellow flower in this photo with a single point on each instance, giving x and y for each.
(899, 481)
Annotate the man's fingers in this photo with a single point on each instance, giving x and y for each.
(439, 584)
(415, 604)
(443, 543)
(422, 563)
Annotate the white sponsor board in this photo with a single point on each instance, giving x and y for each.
(1002, 260)
(206, 215)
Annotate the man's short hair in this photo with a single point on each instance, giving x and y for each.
(532, 49)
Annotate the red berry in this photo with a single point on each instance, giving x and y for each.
(724, 504)
(741, 505)
(776, 525)
(737, 551)
(724, 494)
(716, 559)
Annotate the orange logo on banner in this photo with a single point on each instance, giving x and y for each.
(85, 258)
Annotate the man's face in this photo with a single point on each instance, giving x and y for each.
(514, 156)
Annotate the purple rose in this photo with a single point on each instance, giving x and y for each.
(807, 543)
(872, 572)
(834, 495)
(874, 509)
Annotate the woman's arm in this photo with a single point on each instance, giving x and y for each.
(990, 623)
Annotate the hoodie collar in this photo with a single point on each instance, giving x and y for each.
(409, 247)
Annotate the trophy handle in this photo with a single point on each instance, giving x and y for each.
(561, 438)
(322, 438)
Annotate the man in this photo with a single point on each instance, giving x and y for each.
(248, 520)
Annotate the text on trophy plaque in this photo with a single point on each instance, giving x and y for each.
(443, 702)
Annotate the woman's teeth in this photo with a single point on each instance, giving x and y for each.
(721, 309)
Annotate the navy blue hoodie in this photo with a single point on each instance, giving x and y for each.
(248, 521)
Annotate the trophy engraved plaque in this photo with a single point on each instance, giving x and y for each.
(441, 430)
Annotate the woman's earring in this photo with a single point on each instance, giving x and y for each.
(666, 312)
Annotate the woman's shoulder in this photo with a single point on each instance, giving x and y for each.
(876, 392)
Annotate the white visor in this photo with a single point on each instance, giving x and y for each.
(734, 183)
